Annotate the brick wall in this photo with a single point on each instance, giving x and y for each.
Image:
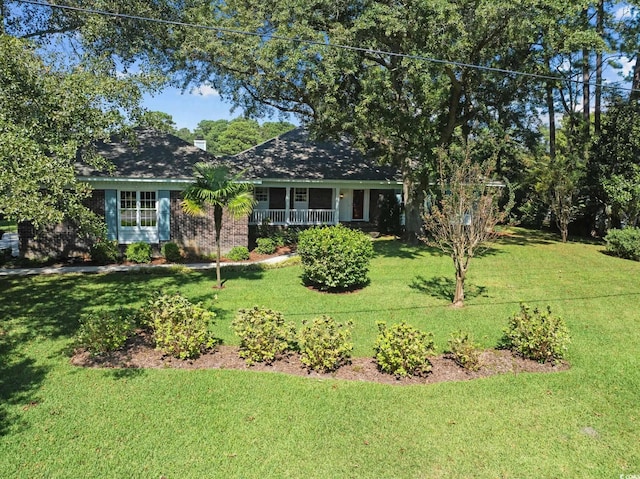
(196, 234)
(58, 241)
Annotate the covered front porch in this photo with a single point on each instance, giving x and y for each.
(305, 206)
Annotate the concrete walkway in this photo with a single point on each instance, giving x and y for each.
(125, 268)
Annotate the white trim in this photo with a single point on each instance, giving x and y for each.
(134, 234)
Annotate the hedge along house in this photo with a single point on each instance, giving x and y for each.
(303, 182)
(140, 200)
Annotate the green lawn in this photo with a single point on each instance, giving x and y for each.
(59, 421)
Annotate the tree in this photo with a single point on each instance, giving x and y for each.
(271, 129)
(159, 120)
(48, 113)
(465, 211)
(614, 169)
(216, 187)
(560, 185)
(239, 135)
(400, 107)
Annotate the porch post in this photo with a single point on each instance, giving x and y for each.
(336, 212)
(287, 199)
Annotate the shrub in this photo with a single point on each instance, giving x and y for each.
(403, 350)
(465, 352)
(624, 243)
(265, 246)
(238, 253)
(180, 328)
(171, 252)
(105, 251)
(334, 257)
(264, 335)
(138, 252)
(324, 344)
(536, 335)
(105, 331)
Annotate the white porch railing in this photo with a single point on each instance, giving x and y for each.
(293, 217)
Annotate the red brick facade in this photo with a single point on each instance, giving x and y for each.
(196, 235)
(59, 241)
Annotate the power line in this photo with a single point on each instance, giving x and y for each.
(324, 44)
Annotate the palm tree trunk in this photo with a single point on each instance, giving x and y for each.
(217, 223)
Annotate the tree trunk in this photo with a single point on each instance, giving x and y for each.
(413, 200)
(598, 100)
(458, 297)
(552, 114)
(635, 85)
(217, 222)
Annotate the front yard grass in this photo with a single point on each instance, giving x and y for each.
(57, 420)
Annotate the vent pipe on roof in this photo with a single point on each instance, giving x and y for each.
(202, 144)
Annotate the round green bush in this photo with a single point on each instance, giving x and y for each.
(105, 252)
(536, 335)
(403, 350)
(264, 334)
(265, 246)
(180, 328)
(104, 331)
(324, 344)
(624, 243)
(138, 252)
(334, 258)
(171, 252)
(238, 253)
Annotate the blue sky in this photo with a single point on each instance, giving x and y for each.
(190, 107)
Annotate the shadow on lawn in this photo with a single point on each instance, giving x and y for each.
(20, 378)
(444, 288)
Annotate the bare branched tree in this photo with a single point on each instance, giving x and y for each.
(464, 212)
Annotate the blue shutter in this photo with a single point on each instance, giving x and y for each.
(111, 213)
(164, 215)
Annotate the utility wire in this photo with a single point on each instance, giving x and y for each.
(324, 44)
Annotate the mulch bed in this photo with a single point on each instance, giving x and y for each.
(140, 353)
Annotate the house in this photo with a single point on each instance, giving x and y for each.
(297, 182)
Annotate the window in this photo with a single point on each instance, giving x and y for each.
(261, 194)
(138, 209)
(299, 194)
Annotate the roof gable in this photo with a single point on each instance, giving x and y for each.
(293, 156)
(156, 155)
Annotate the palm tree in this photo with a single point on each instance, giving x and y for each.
(215, 186)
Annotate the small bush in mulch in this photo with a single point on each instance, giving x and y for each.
(324, 344)
(238, 253)
(464, 351)
(105, 331)
(138, 252)
(171, 252)
(180, 328)
(105, 251)
(403, 350)
(537, 334)
(264, 335)
(265, 246)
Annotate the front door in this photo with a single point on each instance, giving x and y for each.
(358, 205)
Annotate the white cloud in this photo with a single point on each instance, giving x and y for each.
(627, 65)
(204, 90)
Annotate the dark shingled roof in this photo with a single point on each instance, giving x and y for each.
(293, 156)
(157, 155)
